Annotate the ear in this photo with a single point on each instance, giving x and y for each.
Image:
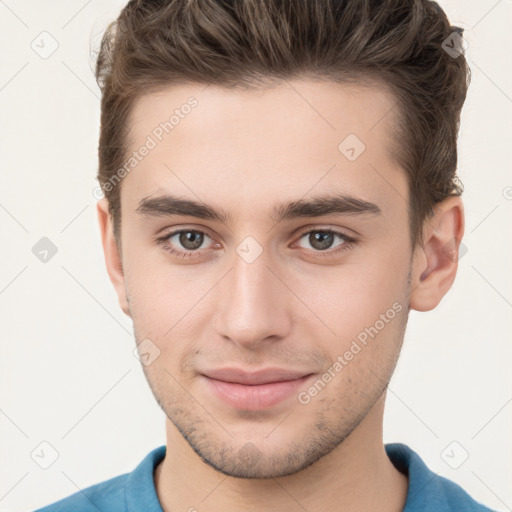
(113, 259)
(435, 264)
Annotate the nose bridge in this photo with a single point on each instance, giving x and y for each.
(251, 306)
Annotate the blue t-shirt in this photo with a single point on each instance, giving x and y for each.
(135, 491)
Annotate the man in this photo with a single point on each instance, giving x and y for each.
(280, 191)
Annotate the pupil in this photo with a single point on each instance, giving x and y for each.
(321, 240)
(191, 240)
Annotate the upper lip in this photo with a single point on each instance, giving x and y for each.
(263, 376)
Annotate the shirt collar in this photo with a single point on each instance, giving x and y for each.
(141, 493)
(423, 484)
(140, 489)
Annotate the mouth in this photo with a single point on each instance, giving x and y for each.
(254, 391)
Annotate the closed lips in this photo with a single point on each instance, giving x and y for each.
(264, 376)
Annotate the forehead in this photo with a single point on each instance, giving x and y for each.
(252, 148)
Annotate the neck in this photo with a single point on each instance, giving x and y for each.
(357, 475)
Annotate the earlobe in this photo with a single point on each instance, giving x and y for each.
(113, 259)
(435, 264)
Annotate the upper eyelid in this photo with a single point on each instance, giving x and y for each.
(297, 232)
(309, 229)
(174, 232)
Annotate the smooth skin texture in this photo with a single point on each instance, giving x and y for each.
(298, 306)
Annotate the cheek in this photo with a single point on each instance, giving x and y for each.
(354, 293)
(159, 292)
(167, 307)
(362, 302)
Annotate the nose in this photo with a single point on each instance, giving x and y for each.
(252, 305)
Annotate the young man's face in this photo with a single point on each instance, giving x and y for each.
(263, 288)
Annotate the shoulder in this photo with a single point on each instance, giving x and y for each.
(428, 490)
(108, 495)
(129, 491)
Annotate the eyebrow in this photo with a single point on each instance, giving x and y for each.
(168, 205)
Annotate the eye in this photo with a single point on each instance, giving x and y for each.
(323, 240)
(190, 240)
(184, 242)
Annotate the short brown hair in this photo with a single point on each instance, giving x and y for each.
(250, 43)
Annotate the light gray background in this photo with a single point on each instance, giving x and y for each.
(68, 374)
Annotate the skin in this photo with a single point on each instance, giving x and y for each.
(294, 307)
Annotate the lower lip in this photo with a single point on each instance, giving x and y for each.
(258, 397)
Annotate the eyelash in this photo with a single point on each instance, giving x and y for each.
(348, 242)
